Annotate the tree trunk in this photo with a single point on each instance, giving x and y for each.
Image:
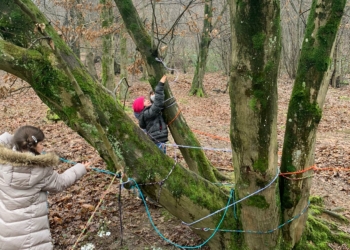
(123, 88)
(107, 45)
(305, 112)
(253, 93)
(76, 14)
(336, 67)
(197, 87)
(196, 159)
(90, 65)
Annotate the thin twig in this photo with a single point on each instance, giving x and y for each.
(40, 38)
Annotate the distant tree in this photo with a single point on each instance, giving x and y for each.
(209, 31)
(123, 88)
(107, 19)
(293, 17)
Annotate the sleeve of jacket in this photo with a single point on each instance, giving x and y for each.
(158, 103)
(6, 140)
(56, 182)
(142, 122)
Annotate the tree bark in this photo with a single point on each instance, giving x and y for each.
(253, 93)
(107, 45)
(197, 87)
(90, 65)
(123, 88)
(305, 112)
(76, 14)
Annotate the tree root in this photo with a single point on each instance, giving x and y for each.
(199, 92)
(220, 176)
(320, 231)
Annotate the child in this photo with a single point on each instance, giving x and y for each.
(150, 116)
(26, 177)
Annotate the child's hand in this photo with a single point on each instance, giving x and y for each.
(87, 165)
(163, 80)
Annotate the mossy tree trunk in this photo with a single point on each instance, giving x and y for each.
(197, 87)
(107, 45)
(305, 111)
(255, 28)
(195, 159)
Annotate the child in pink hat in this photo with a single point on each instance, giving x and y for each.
(150, 115)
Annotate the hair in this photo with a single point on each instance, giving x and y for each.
(26, 138)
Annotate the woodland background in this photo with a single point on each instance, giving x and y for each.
(80, 25)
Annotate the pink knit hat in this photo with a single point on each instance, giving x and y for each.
(138, 104)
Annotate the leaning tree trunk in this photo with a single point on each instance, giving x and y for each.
(305, 112)
(180, 131)
(253, 93)
(63, 83)
(107, 45)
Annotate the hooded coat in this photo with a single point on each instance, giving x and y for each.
(151, 118)
(25, 180)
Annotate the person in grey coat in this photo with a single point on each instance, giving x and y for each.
(150, 115)
(26, 177)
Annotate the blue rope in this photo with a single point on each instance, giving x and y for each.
(94, 169)
(259, 232)
(67, 161)
(169, 241)
(233, 204)
(203, 148)
(232, 196)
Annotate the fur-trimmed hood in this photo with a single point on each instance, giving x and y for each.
(17, 159)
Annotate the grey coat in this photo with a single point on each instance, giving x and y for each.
(25, 180)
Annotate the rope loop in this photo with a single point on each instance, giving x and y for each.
(174, 117)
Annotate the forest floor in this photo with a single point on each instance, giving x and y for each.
(209, 118)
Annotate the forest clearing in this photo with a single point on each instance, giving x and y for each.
(209, 117)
